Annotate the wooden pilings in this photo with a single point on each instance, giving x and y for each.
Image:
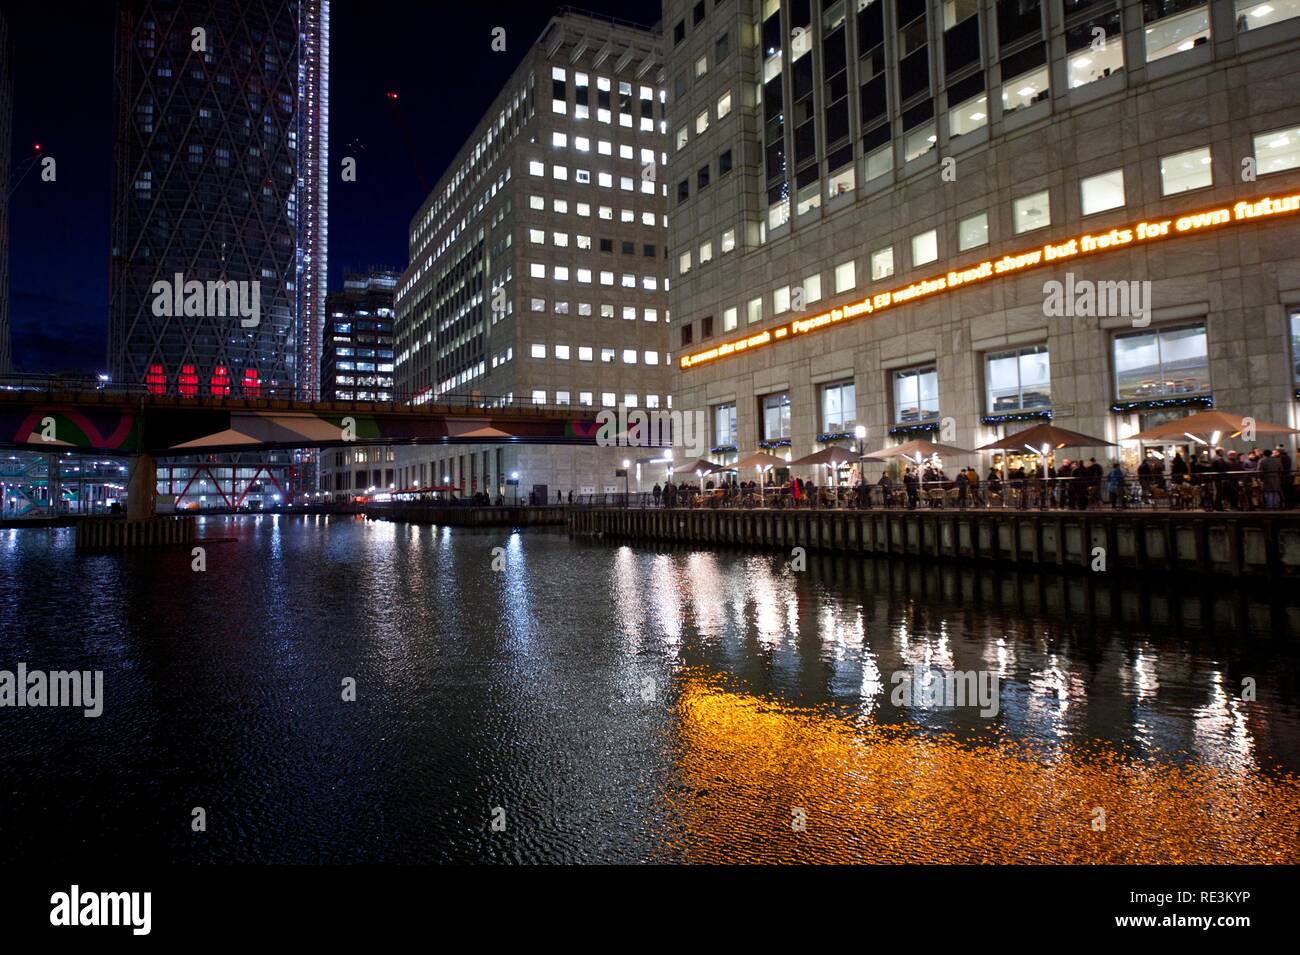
(111, 533)
(1233, 544)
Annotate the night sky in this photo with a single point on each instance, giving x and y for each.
(434, 53)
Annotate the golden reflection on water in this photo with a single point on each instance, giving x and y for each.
(880, 793)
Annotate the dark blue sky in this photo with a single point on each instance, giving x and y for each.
(435, 53)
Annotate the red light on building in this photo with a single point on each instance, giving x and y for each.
(252, 387)
(155, 381)
(188, 382)
(392, 95)
(220, 382)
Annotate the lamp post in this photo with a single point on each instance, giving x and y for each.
(514, 477)
(627, 465)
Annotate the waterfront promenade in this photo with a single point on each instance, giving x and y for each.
(1261, 544)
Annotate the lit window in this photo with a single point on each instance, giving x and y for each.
(582, 144)
(650, 315)
(1025, 89)
(562, 352)
(702, 122)
(561, 273)
(684, 263)
(968, 116)
(1103, 192)
(1277, 150)
(812, 288)
(536, 236)
(629, 356)
(584, 353)
(1185, 171)
(1252, 14)
(882, 263)
(839, 407)
(538, 350)
(724, 104)
(729, 319)
(1172, 28)
(701, 66)
(1018, 380)
(584, 398)
(607, 356)
(919, 141)
(537, 304)
(536, 168)
(916, 395)
(728, 241)
(560, 239)
(584, 276)
(781, 300)
(605, 147)
(537, 202)
(537, 270)
(559, 140)
(1171, 362)
(973, 231)
(845, 276)
(606, 278)
(604, 180)
(584, 241)
(607, 399)
(561, 397)
(925, 247)
(706, 252)
(539, 397)
(754, 311)
(1031, 212)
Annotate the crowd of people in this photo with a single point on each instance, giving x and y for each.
(1215, 479)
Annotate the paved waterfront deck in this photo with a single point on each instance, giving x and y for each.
(1232, 544)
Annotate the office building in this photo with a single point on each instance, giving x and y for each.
(358, 366)
(957, 219)
(537, 265)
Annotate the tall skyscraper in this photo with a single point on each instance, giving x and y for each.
(538, 269)
(220, 225)
(6, 148)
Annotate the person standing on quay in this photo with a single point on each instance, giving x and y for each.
(1115, 485)
(1270, 472)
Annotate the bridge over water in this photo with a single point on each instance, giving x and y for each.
(53, 415)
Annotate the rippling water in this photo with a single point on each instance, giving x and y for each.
(625, 704)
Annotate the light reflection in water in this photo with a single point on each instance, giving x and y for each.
(772, 690)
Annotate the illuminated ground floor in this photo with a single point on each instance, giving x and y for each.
(513, 472)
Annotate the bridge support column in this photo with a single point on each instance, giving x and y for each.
(141, 488)
(53, 483)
